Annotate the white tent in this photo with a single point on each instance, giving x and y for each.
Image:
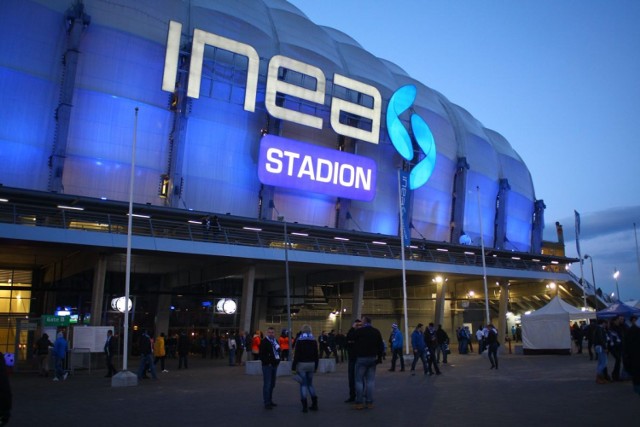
(548, 329)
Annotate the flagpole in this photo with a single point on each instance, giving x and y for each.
(404, 272)
(125, 378)
(484, 264)
(127, 285)
(577, 230)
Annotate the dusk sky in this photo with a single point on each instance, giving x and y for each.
(559, 79)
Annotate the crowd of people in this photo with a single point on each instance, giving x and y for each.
(362, 347)
(613, 338)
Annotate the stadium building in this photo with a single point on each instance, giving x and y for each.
(271, 159)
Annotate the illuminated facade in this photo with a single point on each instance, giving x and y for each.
(70, 125)
(246, 111)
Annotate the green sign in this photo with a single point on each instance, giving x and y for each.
(48, 320)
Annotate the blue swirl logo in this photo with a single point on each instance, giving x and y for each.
(400, 101)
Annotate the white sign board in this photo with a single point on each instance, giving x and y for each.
(91, 337)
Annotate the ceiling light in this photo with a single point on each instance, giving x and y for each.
(74, 208)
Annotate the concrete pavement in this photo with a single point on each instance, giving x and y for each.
(526, 391)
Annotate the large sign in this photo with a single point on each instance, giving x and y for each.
(288, 163)
(401, 100)
(49, 320)
(274, 85)
(292, 164)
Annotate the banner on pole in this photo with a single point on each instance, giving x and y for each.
(405, 199)
(577, 215)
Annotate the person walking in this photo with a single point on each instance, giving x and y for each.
(241, 343)
(233, 346)
(589, 332)
(184, 346)
(331, 344)
(159, 351)
(351, 359)
(577, 336)
(255, 345)
(110, 348)
(419, 348)
(480, 338)
(442, 346)
(341, 344)
(60, 347)
(631, 350)
(269, 353)
(600, 343)
(146, 350)
(305, 364)
(492, 345)
(323, 343)
(368, 346)
(396, 348)
(617, 331)
(42, 353)
(283, 342)
(432, 343)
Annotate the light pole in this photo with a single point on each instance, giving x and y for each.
(593, 277)
(286, 268)
(616, 274)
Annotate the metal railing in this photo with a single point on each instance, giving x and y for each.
(183, 229)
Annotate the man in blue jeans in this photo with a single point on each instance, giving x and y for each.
(368, 347)
(419, 348)
(269, 354)
(146, 361)
(396, 348)
(60, 347)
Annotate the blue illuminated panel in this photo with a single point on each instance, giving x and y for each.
(292, 164)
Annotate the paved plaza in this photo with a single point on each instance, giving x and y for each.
(526, 391)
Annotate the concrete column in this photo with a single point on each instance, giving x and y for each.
(358, 295)
(97, 294)
(459, 198)
(246, 301)
(441, 290)
(500, 238)
(76, 21)
(538, 226)
(502, 316)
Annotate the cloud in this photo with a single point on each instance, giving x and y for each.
(608, 237)
(594, 224)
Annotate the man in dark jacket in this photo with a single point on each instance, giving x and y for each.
(110, 349)
(184, 346)
(269, 354)
(442, 347)
(146, 361)
(432, 342)
(632, 353)
(42, 352)
(368, 347)
(351, 359)
(419, 349)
